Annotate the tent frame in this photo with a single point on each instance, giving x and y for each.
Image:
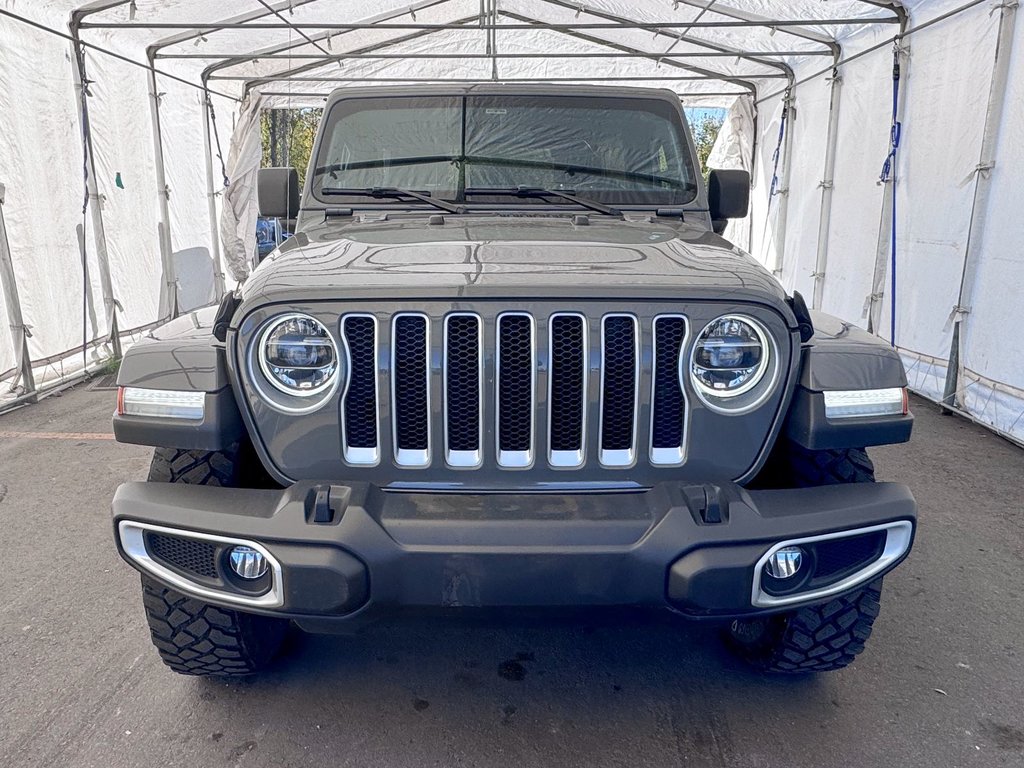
(490, 20)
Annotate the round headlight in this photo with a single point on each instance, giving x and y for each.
(730, 357)
(298, 355)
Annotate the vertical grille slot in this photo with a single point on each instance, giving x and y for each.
(359, 412)
(619, 389)
(410, 377)
(463, 383)
(668, 401)
(567, 387)
(516, 389)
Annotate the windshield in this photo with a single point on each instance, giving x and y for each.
(624, 151)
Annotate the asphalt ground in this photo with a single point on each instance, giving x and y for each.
(941, 683)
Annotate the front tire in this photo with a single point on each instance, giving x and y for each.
(194, 637)
(815, 638)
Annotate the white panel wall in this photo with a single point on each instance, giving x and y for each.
(123, 143)
(41, 166)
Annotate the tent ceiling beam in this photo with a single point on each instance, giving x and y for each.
(288, 74)
(441, 81)
(544, 55)
(741, 15)
(640, 25)
(709, 74)
(284, 47)
(291, 26)
(682, 37)
(184, 37)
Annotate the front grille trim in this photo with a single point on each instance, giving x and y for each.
(522, 459)
(670, 456)
(409, 457)
(625, 457)
(568, 459)
(464, 459)
(357, 455)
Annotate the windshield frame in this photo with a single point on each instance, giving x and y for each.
(660, 103)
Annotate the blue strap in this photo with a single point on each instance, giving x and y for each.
(889, 174)
(778, 148)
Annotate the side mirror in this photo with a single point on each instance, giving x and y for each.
(277, 192)
(728, 196)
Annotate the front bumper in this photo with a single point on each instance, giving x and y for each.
(347, 551)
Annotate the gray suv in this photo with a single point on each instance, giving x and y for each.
(508, 361)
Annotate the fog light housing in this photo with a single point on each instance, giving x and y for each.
(784, 563)
(248, 563)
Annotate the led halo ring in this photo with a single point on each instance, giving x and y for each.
(260, 353)
(716, 399)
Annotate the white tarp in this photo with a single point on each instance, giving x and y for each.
(743, 67)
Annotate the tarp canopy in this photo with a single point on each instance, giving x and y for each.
(881, 137)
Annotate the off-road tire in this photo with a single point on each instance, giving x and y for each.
(234, 467)
(196, 638)
(193, 637)
(793, 466)
(817, 638)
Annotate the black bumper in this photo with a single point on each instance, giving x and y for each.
(353, 551)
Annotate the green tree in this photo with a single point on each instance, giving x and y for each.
(705, 127)
(288, 136)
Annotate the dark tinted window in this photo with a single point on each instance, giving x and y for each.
(615, 150)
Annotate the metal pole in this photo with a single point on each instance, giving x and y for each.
(828, 177)
(883, 247)
(648, 26)
(952, 395)
(708, 54)
(169, 292)
(211, 200)
(435, 80)
(110, 303)
(782, 212)
(19, 331)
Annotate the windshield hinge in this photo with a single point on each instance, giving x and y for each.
(673, 213)
(329, 212)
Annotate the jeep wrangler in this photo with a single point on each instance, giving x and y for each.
(508, 361)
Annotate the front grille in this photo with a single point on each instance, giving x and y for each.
(411, 393)
(359, 416)
(567, 400)
(618, 390)
(562, 389)
(192, 556)
(463, 378)
(836, 558)
(668, 407)
(515, 373)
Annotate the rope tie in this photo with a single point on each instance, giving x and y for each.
(888, 174)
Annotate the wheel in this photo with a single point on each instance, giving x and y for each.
(235, 467)
(194, 637)
(815, 638)
(793, 466)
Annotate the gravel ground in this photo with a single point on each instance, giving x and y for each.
(941, 684)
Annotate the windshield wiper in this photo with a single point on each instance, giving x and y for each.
(393, 192)
(381, 162)
(565, 194)
(572, 169)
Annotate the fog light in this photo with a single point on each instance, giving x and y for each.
(247, 562)
(784, 563)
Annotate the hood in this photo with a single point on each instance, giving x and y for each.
(502, 256)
